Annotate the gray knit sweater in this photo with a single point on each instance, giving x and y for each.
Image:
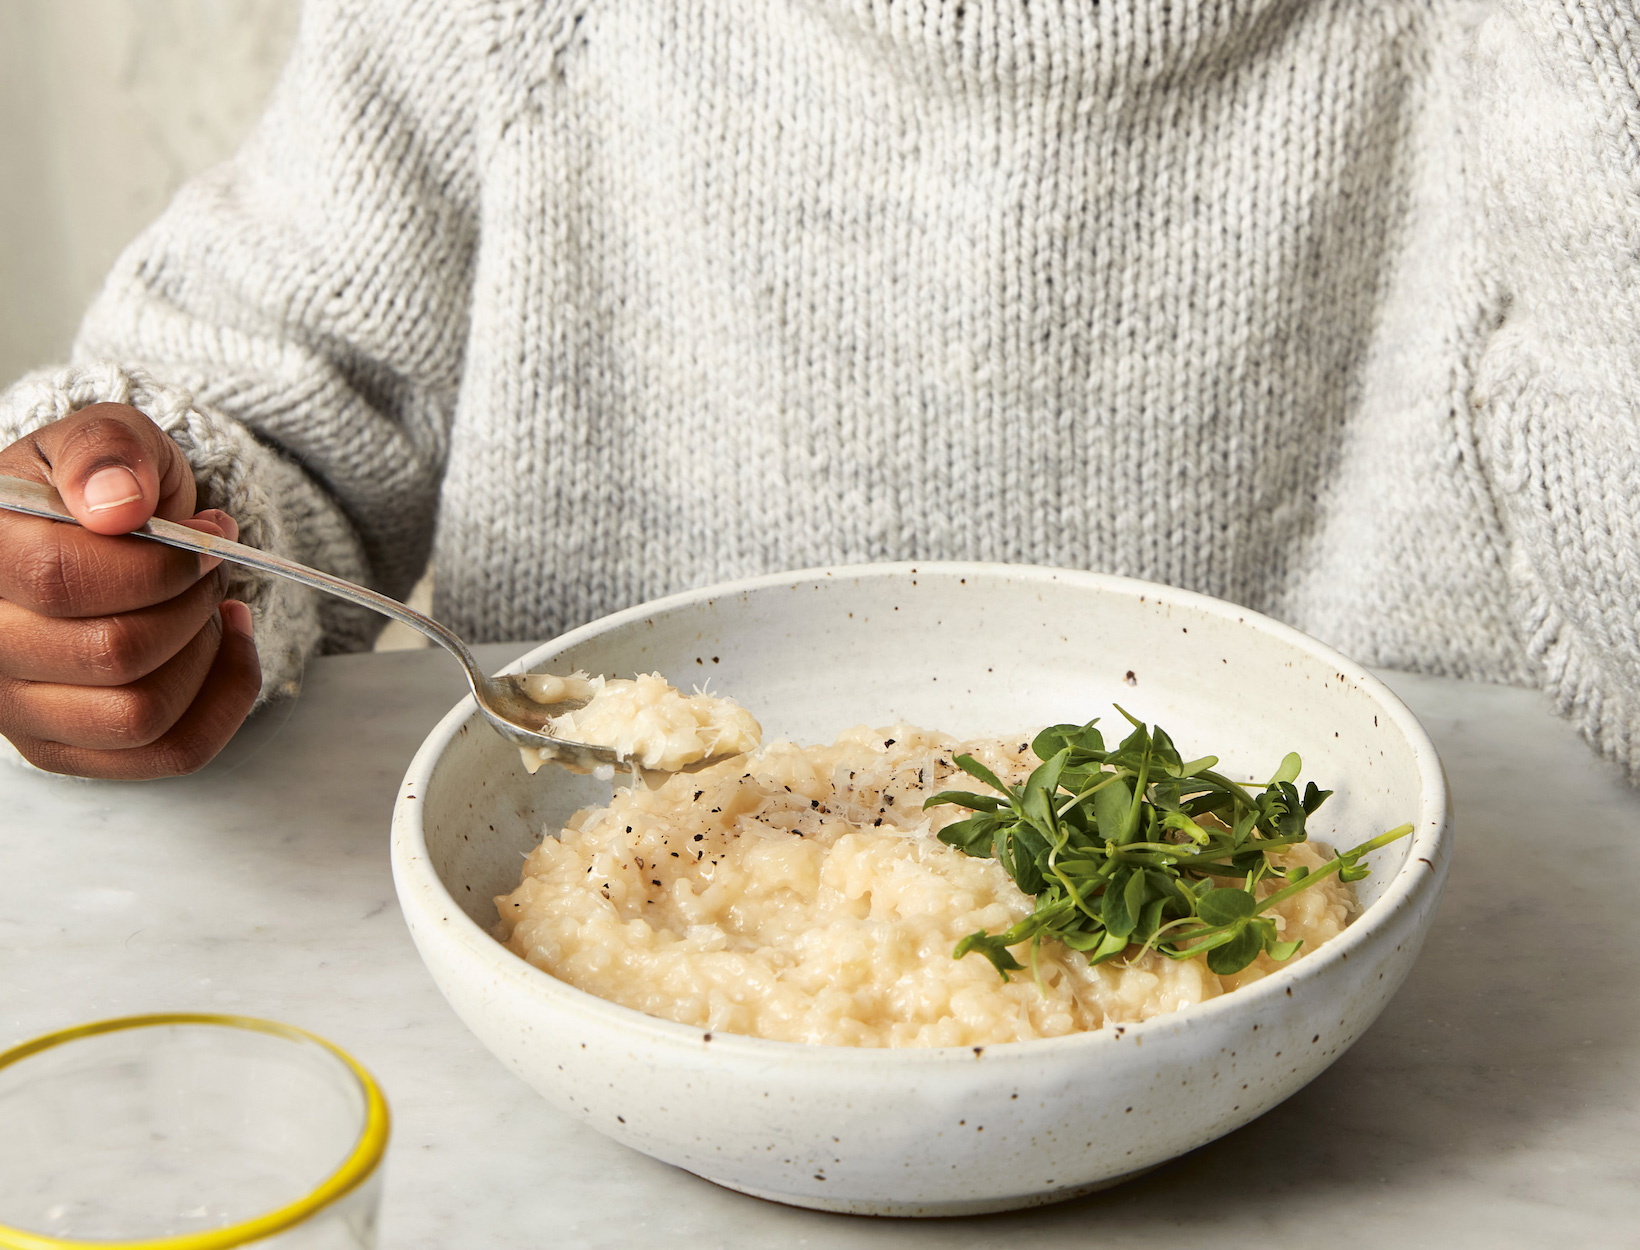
(1328, 307)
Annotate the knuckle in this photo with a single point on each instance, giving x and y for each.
(43, 582)
(136, 718)
(113, 653)
(105, 430)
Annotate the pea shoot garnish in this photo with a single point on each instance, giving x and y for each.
(1130, 847)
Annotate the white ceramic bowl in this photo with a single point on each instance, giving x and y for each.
(974, 650)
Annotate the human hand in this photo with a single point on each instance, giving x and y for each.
(119, 657)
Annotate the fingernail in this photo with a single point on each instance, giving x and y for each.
(111, 488)
(237, 617)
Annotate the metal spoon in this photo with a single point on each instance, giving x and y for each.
(503, 700)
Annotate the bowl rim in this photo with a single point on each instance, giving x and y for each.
(1429, 842)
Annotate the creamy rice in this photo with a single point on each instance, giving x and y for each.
(801, 894)
(645, 719)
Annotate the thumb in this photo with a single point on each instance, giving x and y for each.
(114, 468)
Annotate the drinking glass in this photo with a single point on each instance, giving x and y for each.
(188, 1132)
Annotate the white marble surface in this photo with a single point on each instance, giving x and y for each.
(1493, 1104)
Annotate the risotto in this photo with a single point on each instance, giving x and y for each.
(646, 720)
(800, 893)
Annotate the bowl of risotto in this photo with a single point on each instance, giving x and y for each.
(789, 972)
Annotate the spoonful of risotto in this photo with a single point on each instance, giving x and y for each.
(584, 723)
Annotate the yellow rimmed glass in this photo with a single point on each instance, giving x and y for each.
(188, 1131)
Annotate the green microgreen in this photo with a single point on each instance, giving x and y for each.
(1134, 849)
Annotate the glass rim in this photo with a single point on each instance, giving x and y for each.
(352, 1172)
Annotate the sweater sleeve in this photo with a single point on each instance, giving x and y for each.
(1554, 154)
(295, 320)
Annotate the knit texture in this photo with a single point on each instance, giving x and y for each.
(1324, 307)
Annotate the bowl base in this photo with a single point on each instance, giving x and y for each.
(930, 1210)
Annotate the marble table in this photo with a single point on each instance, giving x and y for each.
(1493, 1104)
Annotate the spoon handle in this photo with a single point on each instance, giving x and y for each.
(37, 499)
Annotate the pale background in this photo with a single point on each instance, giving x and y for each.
(106, 107)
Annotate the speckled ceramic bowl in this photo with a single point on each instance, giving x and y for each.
(973, 650)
